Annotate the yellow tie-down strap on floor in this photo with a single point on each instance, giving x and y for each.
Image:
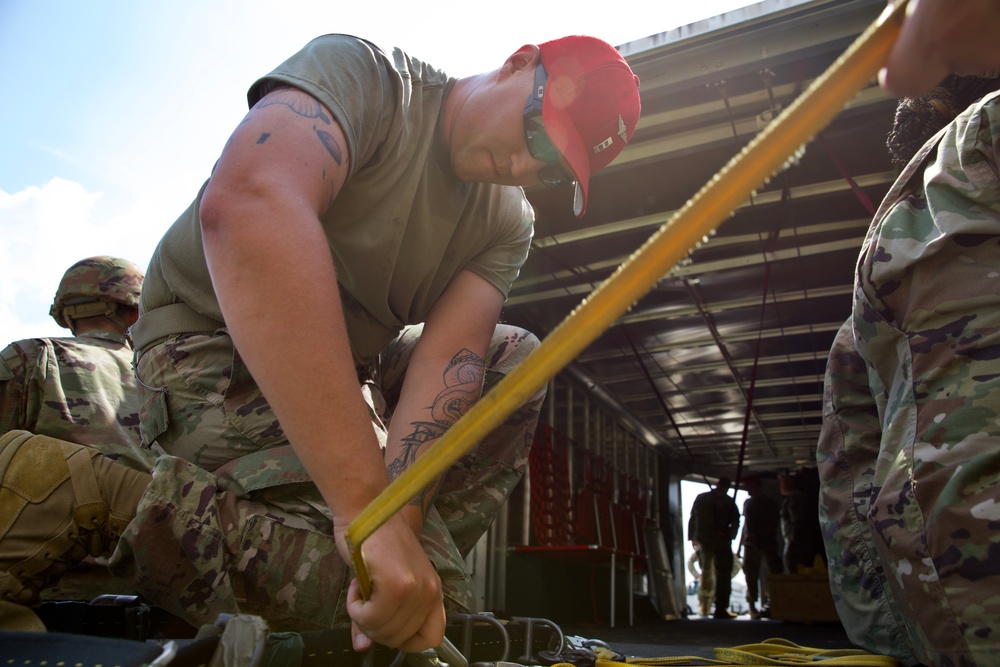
(769, 652)
(763, 157)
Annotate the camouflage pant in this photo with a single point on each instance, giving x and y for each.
(231, 521)
(753, 556)
(716, 562)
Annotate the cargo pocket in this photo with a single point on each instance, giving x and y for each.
(438, 544)
(293, 577)
(247, 410)
(153, 419)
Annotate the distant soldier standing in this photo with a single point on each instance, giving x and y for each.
(760, 537)
(714, 522)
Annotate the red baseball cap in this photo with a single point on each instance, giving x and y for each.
(591, 106)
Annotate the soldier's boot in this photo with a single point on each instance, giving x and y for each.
(59, 503)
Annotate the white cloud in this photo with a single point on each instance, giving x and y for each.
(173, 80)
(45, 230)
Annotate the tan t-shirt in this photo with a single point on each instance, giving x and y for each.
(403, 225)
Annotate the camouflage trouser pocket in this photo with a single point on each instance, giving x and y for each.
(153, 419)
(438, 544)
(293, 577)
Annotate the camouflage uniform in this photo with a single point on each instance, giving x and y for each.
(848, 446)
(253, 532)
(926, 322)
(79, 389)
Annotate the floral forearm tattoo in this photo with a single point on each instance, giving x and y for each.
(463, 381)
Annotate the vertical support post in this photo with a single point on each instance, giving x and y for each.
(551, 400)
(496, 562)
(615, 428)
(571, 443)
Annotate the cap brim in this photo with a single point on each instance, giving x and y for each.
(565, 138)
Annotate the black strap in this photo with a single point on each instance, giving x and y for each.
(35, 648)
(118, 626)
(137, 621)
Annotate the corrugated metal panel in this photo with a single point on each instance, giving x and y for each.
(707, 89)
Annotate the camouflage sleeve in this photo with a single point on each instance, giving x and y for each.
(927, 323)
(846, 454)
(17, 362)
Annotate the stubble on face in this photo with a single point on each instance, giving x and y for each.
(488, 131)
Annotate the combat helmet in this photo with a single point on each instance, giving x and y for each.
(94, 286)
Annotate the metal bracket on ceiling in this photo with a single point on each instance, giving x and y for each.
(765, 117)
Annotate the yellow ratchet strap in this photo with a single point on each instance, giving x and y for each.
(777, 652)
(763, 157)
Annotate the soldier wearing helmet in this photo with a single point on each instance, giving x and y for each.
(81, 388)
(98, 287)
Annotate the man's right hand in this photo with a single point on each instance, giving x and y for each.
(406, 607)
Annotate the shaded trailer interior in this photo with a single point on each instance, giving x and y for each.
(718, 370)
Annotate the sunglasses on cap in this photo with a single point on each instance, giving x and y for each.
(539, 145)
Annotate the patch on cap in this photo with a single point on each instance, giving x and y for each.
(591, 106)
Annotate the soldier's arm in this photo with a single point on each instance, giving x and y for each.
(275, 280)
(940, 37)
(693, 521)
(14, 365)
(444, 376)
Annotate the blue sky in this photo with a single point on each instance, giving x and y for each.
(113, 111)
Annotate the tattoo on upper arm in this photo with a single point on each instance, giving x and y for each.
(301, 103)
(307, 107)
(263, 137)
(463, 381)
(330, 144)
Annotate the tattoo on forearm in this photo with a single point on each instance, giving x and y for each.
(263, 137)
(463, 381)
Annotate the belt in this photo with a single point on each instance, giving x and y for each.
(180, 318)
(172, 319)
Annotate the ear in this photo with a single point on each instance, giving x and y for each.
(523, 58)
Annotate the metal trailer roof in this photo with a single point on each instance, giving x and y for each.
(675, 372)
